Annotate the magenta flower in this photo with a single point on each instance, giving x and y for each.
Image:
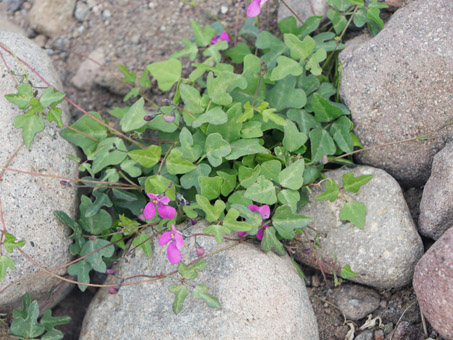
(265, 212)
(176, 243)
(224, 36)
(254, 8)
(163, 209)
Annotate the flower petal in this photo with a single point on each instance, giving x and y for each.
(242, 233)
(150, 210)
(215, 39)
(165, 211)
(264, 211)
(173, 254)
(164, 200)
(179, 240)
(225, 37)
(152, 196)
(254, 9)
(165, 238)
(260, 234)
(253, 207)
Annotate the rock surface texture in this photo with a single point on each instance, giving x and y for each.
(436, 206)
(395, 92)
(356, 301)
(58, 12)
(261, 294)
(386, 251)
(28, 202)
(433, 284)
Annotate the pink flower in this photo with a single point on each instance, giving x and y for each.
(254, 8)
(176, 243)
(163, 209)
(265, 212)
(224, 36)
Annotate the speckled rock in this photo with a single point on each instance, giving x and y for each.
(304, 9)
(261, 294)
(356, 301)
(386, 251)
(51, 17)
(395, 92)
(86, 73)
(436, 206)
(28, 202)
(433, 284)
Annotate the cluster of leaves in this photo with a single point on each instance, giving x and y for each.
(259, 128)
(25, 322)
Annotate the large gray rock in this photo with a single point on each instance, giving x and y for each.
(51, 17)
(433, 284)
(386, 251)
(28, 202)
(261, 294)
(396, 92)
(304, 9)
(436, 206)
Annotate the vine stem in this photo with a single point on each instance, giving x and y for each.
(294, 13)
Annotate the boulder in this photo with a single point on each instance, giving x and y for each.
(433, 284)
(385, 252)
(262, 297)
(51, 17)
(28, 201)
(436, 206)
(395, 92)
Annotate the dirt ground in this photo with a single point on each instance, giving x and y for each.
(135, 33)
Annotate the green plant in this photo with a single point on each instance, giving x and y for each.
(235, 136)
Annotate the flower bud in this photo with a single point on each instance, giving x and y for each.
(113, 290)
(110, 271)
(200, 252)
(169, 119)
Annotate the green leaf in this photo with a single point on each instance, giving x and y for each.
(340, 130)
(255, 90)
(292, 177)
(128, 76)
(54, 334)
(373, 14)
(102, 199)
(219, 87)
(326, 40)
(271, 169)
(82, 270)
(217, 230)
(143, 241)
(243, 147)
(289, 198)
(331, 193)
(238, 53)
(146, 157)
(214, 51)
(274, 46)
(353, 184)
(284, 221)
(176, 164)
(49, 321)
(144, 81)
(249, 28)
(230, 221)
(214, 212)
(54, 115)
(247, 176)
(189, 151)
(299, 49)
(254, 219)
(263, 191)
(251, 129)
(315, 59)
(229, 131)
(215, 116)
(269, 114)
(216, 148)
(5, 262)
(286, 66)
(202, 36)
(310, 25)
(192, 99)
(304, 120)
(200, 292)
(270, 241)
(293, 139)
(321, 144)
(27, 326)
(284, 95)
(50, 96)
(96, 259)
(346, 272)
(190, 179)
(134, 117)
(96, 223)
(190, 49)
(360, 17)
(354, 212)
(289, 25)
(157, 184)
(30, 125)
(210, 186)
(22, 97)
(180, 292)
(338, 20)
(166, 73)
(340, 5)
(10, 243)
(325, 111)
(110, 151)
(229, 182)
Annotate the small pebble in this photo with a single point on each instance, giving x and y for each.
(315, 281)
(223, 9)
(106, 14)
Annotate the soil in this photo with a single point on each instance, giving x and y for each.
(135, 33)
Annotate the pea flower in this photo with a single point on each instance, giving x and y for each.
(265, 212)
(176, 243)
(254, 8)
(224, 36)
(163, 209)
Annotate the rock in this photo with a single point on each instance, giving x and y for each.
(51, 17)
(82, 11)
(433, 284)
(261, 294)
(365, 335)
(14, 5)
(86, 73)
(405, 330)
(303, 9)
(6, 25)
(385, 252)
(40, 40)
(436, 206)
(28, 202)
(112, 83)
(395, 92)
(394, 4)
(356, 301)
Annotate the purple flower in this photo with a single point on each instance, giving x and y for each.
(176, 243)
(163, 209)
(224, 36)
(265, 212)
(254, 8)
